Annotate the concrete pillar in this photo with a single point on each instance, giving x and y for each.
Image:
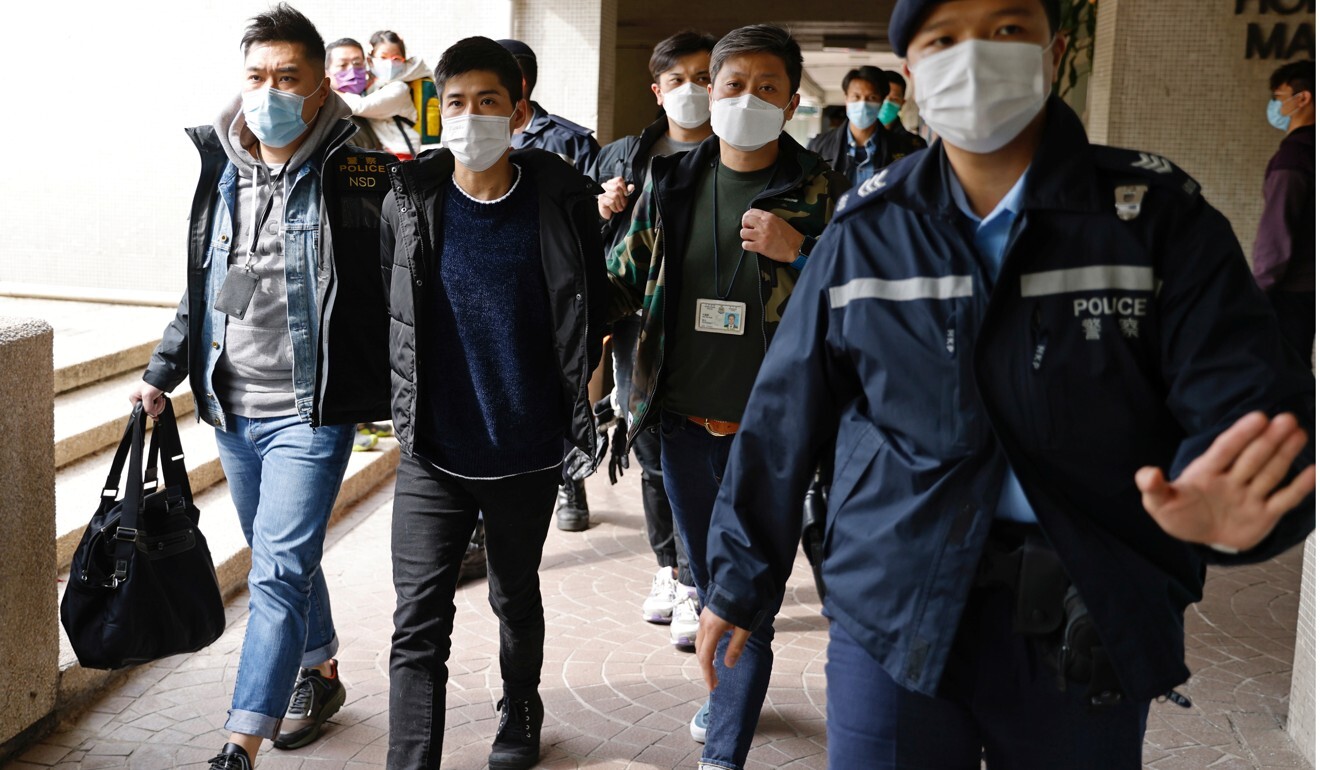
(574, 41)
(1301, 700)
(1173, 77)
(29, 631)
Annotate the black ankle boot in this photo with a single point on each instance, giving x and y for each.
(518, 741)
(571, 511)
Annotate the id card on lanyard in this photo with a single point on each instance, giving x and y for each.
(722, 315)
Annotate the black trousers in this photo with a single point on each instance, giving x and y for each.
(1296, 312)
(434, 516)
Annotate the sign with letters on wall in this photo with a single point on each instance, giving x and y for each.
(1284, 39)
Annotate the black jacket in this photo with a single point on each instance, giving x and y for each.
(412, 241)
(351, 381)
(626, 157)
(891, 144)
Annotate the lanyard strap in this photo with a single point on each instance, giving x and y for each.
(715, 237)
(259, 218)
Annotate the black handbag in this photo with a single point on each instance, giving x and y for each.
(142, 585)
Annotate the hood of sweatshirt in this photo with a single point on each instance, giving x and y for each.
(237, 139)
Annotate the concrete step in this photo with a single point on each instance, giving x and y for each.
(219, 522)
(94, 341)
(93, 417)
(78, 485)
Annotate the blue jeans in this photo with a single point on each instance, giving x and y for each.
(693, 463)
(284, 478)
(665, 544)
(996, 696)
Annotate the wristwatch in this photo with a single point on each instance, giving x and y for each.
(808, 243)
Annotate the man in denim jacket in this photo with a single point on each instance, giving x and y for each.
(282, 335)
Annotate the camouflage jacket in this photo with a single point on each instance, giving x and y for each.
(802, 190)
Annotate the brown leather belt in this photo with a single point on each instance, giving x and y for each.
(716, 427)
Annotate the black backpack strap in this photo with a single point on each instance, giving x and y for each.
(401, 121)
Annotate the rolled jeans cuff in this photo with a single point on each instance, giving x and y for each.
(321, 654)
(252, 723)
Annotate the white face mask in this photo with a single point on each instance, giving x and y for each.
(688, 105)
(386, 69)
(477, 141)
(746, 122)
(978, 95)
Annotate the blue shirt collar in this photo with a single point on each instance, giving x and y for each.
(1011, 203)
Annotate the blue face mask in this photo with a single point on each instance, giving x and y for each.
(889, 112)
(275, 116)
(1276, 116)
(863, 114)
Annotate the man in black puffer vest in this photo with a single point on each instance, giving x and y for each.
(496, 293)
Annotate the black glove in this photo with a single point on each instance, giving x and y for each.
(618, 452)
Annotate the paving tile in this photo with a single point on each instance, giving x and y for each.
(617, 694)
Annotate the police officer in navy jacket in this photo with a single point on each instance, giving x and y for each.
(1046, 393)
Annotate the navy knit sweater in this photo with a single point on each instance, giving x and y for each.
(493, 405)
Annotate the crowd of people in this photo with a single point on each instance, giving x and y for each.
(1031, 378)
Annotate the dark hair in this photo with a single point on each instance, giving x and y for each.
(343, 42)
(480, 53)
(898, 80)
(1299, 75)
(386, 36)
(668, 51)
(878, 78)
(760, 38)
(283, 24)
(527, 69)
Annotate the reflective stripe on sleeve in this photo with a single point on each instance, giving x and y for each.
(947, 287)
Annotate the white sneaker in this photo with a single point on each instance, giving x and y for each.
(683, 625)
(659, 606)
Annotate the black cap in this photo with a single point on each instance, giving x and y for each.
(517, 48)
(904, 20)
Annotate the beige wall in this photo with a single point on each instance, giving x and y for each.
(634, 104)
(1301, 700)
(29, 636)
(1170, 77)
(574, 41)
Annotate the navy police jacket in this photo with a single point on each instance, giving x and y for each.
(561, 136)
(1124, 330)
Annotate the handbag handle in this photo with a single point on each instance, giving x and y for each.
(166, 444)
(126, 533)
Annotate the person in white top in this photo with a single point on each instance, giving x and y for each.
(384, 99)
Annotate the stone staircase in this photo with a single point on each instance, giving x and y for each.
(100, 353)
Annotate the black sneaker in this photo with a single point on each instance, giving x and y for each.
(474, 560)
(231, 757)
(517, 743)
(316, 698)
(571, 512)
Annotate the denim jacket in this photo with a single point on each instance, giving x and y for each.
(340, 370)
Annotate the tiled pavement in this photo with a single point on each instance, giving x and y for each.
(617, 695)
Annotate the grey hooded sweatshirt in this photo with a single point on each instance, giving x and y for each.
(254, 376)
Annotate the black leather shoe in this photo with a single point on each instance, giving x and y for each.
(518, 742)
(315, 699)
(231, 757)
(571, 512)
